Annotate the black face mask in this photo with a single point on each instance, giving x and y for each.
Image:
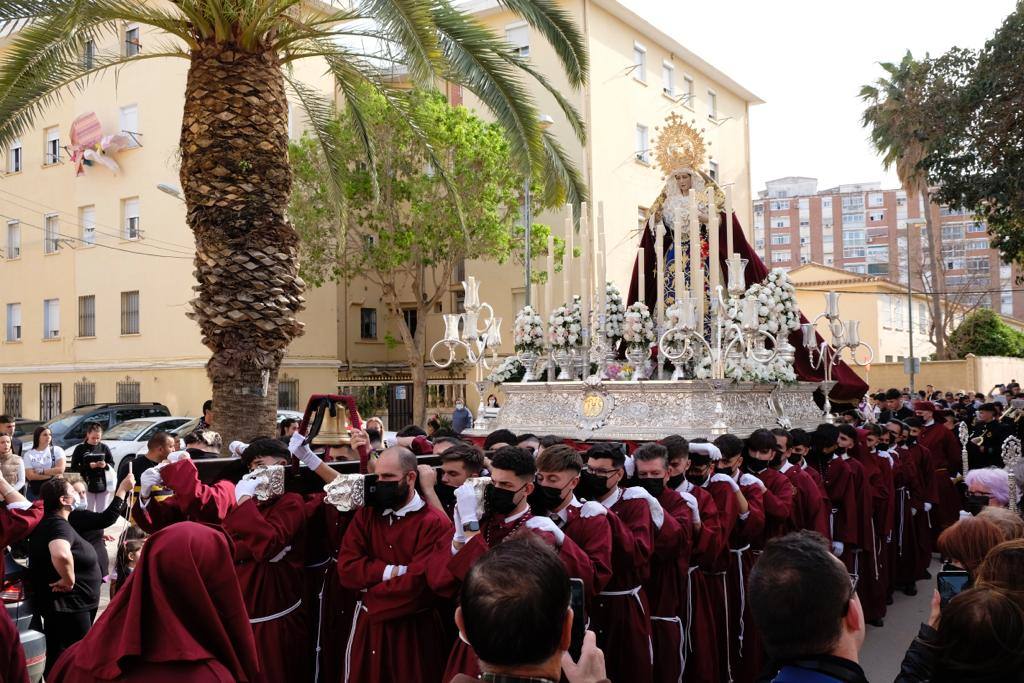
(499, 501)
(727, 471)
(676, 480)
(795, 458)
(544, 499)
(592, 486)
(445, 493)
(975, 503)
(389, 495)
(755, 466)
(911, 441)
(655, 487)
(699, 479)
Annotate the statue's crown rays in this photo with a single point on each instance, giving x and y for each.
(679, 145)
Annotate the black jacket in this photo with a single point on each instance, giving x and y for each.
(920, 658)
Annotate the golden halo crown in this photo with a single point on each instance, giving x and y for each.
(679, 145)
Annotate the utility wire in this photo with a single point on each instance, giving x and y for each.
(73, 238)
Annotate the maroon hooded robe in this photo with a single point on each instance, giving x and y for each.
(947, 460)
(14, 526)
(670, 560)
(697, 609)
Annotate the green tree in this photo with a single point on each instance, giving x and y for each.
(903, 132)
(979, 164)
(234, 135)
(410, 242)
(983, 333)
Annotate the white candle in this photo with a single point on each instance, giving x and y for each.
(567, 260)
(660, 255)
(697, 278)
(728, 220)
(549, 283)
(602, 261)
(677, 250)
(750, 317)
(585, 260)
(695, 262)
(640, 276)
(713, 259)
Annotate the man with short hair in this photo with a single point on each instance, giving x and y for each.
(458, 463)
(698, 609)
(985, 444)
(398, 634)
(506, 514)
(203, 444)
(159, 446)
(7, 425)
(528, 441)
(206, 421)
(669, 563)
(948, 461)
(811, 636)
(558, 475)
(514, 612)
(762, 457)
(809, 509)
(620, 611)
(499, 439)
(908, 502)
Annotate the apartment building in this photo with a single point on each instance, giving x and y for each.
(863, 228)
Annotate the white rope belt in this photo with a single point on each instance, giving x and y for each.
(743, 592)
(280, 556)
(260, 620)
(682, 642)
(351, 637)
(903, 502)
(728, 639)
(689, 609)
(635, 592)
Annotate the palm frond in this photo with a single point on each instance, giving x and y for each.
(411, 25)
(322, 116)
(557, 26)
(572, 114)
(562, 180)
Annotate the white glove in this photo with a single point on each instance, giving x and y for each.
(927, 507)
(148, 480)
(465, 502)
(304, 453)
(837, 548)
(691, 502)
(708, 449)
(236, 448)
(657, 512)
(592, 509)
(913, 511)
(748, 479)
(177, 455)
(19, 505)
(247, 487)
(719, 476)
(964, 514)
(546, 524)
(630, 466)
(393, 571)
(459, 536)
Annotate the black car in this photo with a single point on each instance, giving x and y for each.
(25, 428)
(19, 609)
(68, 428)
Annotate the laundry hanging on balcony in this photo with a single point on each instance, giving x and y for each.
(89, 145)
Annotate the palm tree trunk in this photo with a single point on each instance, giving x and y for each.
(938, 278)
(236, 180)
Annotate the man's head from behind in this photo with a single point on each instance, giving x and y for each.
(514, 607)
(796, 620)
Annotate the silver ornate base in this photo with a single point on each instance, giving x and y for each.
(653, 409)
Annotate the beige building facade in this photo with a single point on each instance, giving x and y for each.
(96, 269)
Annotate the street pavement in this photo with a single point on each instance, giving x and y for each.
(884, 647)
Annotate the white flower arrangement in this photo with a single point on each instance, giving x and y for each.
(638, 326)
(672, 317)
(615, 313)
(564, 327)
(510, 369)
(778, 315)
(528, 331)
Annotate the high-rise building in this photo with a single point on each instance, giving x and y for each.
(863, 228)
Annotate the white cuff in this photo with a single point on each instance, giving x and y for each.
(19, 505)
(744, 515)
(402, 569)
(387, 571)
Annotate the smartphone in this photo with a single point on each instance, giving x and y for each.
(951, 583)
(369, 487)
(579, 617)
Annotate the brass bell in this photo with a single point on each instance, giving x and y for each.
(335, 429)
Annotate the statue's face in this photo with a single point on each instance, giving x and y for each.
(684, 181)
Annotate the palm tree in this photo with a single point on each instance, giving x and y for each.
(234, 136)
(901, 132)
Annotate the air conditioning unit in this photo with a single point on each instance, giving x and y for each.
(54, 334)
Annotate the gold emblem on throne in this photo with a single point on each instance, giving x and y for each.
(679, 145)
(593, 405)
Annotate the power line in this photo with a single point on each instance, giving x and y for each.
(117, 235)
(92, 244)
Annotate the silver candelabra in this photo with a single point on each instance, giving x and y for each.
(845, 336)
(479, 337)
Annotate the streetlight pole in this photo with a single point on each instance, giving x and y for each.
(545, 122)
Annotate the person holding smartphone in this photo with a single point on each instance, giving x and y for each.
(92, 459)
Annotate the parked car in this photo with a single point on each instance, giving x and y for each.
(131, 437)
(19, 609)
(23, 429)
(191, 425)
(68, 428)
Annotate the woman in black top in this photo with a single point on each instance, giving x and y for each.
(65, 574)
(92, 459)
(93, 525)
